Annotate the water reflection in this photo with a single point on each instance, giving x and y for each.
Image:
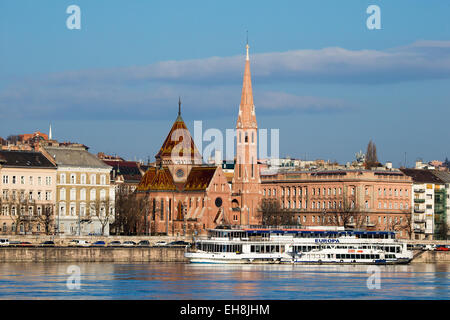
(190, 281)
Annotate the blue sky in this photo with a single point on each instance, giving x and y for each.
(319, 75)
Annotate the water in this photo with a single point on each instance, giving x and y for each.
(190, 281)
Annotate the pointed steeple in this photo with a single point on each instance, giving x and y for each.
(50, 132)
(179, 118)
(179, 137)
(247, 118)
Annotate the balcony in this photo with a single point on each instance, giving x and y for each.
(419, 219)
(419, 210)
(419, 200)
(419, 190)
(419, 230)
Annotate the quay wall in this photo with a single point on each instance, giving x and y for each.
(92, 254)
(431, 257)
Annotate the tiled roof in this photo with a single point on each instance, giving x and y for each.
(163, 180)
(26, 159)
(182, 139)
(146, 180)
(422, 176)
(199, 178)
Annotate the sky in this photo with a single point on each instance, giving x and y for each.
(319, 75)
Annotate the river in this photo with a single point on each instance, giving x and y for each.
(190, 281)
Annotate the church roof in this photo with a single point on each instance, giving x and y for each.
(156, 179)
(144, 184)
(180, 138)
(199, 178)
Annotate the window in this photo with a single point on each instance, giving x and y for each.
(92, 195)
(83, 179)
(62, 194)
(83, 194)
(48, 181)
(31, 180)
(5, 179)
(73, 194)
(22, 180)
(73, 178)
(102, 195)
(48, 195)
(103, 179)
(5, 195)
(93, 179)
(62, 177)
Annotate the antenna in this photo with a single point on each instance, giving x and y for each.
(179, 105)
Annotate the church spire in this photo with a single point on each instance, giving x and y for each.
(50, 132)
(179, 118)
(247, 118)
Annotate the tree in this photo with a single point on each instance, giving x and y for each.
(102, 210)
(46, 218)
(271, 213)
(443, 230)
(131, 213)
(371, 159)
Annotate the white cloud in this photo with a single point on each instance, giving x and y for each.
(212, 85)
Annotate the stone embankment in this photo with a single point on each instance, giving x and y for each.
(92, 254)
(431, 256)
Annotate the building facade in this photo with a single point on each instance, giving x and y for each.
(362, 199)
(27, 189)
(84, 197)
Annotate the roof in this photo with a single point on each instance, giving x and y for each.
(443, 175)
(161, 179)
(146, 180)
(76, 157)
(422, 176)
(128, 169)
(27, 159)
(180, 137)
(199, 178)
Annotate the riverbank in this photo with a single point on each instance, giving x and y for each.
(138, 254)
(92, 254)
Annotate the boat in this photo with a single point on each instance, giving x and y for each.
(270, 245)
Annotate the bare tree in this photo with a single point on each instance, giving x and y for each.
(271, 213)
(371, 155)
(131, 215)
(46, 218)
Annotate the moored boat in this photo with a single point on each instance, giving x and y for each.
(256, 245)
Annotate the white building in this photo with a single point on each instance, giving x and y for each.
(84, 196)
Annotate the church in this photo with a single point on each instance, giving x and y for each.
(186, 196)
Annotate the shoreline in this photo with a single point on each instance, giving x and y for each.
(138, 254)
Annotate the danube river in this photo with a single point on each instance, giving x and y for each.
(190, 281)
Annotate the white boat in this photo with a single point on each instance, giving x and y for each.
(298, 246)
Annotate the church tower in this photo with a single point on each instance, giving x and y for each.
(246, 180)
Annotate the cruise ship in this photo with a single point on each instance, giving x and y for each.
(325, 245)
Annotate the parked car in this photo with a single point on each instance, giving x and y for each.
(430, 247)
(4, 242)
(25, 244)
(98, 244)
(442, 248)
(129, 243)
(144, 243)
(14, 243)
(115, 244)
(180, 243)
(48, 244)
(79, 243)
(161, 243)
